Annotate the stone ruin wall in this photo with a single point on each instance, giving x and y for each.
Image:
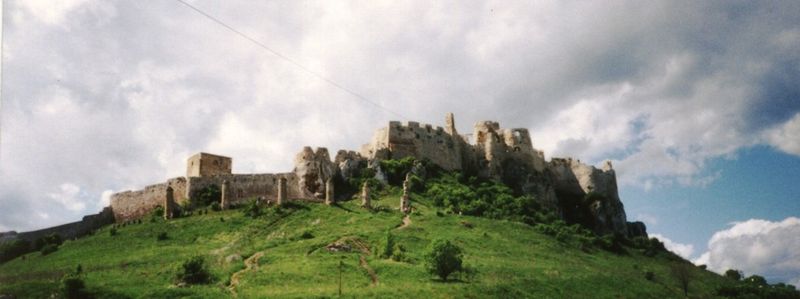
(244, 187)
(129, 205)
(72, 230)
(205, 164)
(414, 140)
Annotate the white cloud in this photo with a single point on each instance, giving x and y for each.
(68, 197)
(757, 246)
(106, 100)
(683, 250)
(647, 218)
(786, 137)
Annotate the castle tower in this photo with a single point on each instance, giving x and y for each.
(169, 201)
(329, 200)
(365, 196)
(281, 191)
(205, 165)
(225, 199)
(450, 124)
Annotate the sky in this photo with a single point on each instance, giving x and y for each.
(696, 103)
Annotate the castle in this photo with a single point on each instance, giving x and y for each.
(502, 154)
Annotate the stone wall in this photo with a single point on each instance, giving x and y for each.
(129, 205)
(246, 186)
(204, 164)
(67, 231)
(313, 169)
(414, 140)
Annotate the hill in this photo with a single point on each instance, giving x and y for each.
(287, 253)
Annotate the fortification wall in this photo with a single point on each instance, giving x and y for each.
(414, 140)
(243, 187)
(129, 205)
(72, 230)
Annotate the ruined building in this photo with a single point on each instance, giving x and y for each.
(498, 153)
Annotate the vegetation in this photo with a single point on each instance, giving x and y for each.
(194, 271)
(290, 253)
(755, 287)
(444, 258)
(205, 197)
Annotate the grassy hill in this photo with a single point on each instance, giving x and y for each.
(283, 254)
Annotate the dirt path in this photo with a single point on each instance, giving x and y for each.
(406, 222)
(372, 275)
(250, 264)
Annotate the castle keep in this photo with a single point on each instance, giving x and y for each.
(498, 153)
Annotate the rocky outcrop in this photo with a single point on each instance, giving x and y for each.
(349, 163)
(591, 191)
(314, 169)
(637, 229)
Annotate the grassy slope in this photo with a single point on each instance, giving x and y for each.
(512, 259)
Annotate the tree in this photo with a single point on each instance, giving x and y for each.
(733, 274)
(193, 271)
(683, 274)
(444, 258)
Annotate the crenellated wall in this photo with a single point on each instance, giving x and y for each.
(412, 139)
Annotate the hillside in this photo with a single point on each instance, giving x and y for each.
(283, 254)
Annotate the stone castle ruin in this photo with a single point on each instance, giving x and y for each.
(497, 153)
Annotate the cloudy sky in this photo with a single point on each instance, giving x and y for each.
(696, 103)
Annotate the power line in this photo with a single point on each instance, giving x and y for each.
(292, 61)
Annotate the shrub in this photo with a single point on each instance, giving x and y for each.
(443, 258)
(73, 286)
(161, 236)
(216, 207)
(53, 238)
(205, 197)
(734, 274)
(649, 275)
(252, 208)
(157, 213)
(399, 253)
(396, 170)
(112, 232)
(13, 249)
(306, 235)
(387, 245)
(194, 271)
(48, 249)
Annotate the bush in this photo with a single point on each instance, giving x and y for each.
(444, 258)
(649, 275)
(396, 170)
(216, 207)
(54, 239)
(306, 235)
(73, 286)
(205, 197)
(13, 249)
(399, 253)
(161, 236)
(252, 208)
(387, 245)
(48, 249)
(194, 271)
(734, 274)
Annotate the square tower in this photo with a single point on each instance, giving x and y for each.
(204, 164)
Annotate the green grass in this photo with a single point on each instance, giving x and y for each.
(512, 259)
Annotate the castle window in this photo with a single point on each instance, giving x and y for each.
(516, 148)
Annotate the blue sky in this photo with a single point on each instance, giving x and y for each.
(696, 103)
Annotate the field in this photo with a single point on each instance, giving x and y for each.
(284, 254)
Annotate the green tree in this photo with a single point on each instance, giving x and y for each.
(444, 258)
(194, 271)
(733, 274)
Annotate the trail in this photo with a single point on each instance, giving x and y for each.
(250, 264)
(372, 275)
(406, 222)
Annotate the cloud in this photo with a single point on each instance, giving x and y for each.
(786, 136)
(683, 250)
(757, 246)
(109, 101)
(648, 219)
(68, 197)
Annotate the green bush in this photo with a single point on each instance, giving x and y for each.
(205, 197)
(48, 249)
(53, 238)
(194, 271)
(161, 236)
(387, 245)
(734, 274)
(13, 249)
(444, 258)
(252, 208)
(112, 232)
(73, 286)
(396, 170)
(649, 275)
